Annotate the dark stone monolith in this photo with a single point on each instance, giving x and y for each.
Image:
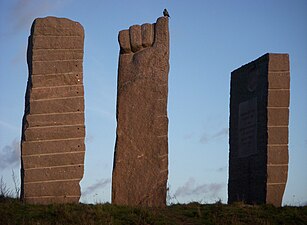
(259, 118)
(141, 152)
(52, 146)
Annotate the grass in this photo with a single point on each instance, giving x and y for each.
(12, 211)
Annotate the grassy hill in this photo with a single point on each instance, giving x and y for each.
(13, 211)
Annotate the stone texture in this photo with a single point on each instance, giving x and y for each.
(68, 104)
(56, 173)
(53, 146)
(258, 156)
(41, 120)
(56, 67)
(140, 169)
(53, 160)
(53, 124)
(54, 132)
(53, 188)
(57, 80)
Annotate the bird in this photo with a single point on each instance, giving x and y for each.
(165, 13)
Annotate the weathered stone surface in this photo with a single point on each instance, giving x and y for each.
(53, 160)
(56, 173)
(141, 152)
(279, 62)
(53, 146)
(41, 120)
(259, 118)
(56, 67)
(54, 132)
(278, 116)
(278, 135)
(274, 193)
(57, 92)
(61, 105)
(279, 80)
(57, 42)
(276, 173)
(57, 80)
(51, 26)
(57, 54)
(53, 125)
(278, 154)
(53, 188)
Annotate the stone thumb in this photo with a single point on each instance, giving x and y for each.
(161, 31)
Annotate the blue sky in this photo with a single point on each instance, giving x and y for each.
(209, 39)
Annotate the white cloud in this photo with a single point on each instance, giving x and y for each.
(190, 188)
(10, 155)
(23, 12)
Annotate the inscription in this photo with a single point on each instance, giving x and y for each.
(248, 128)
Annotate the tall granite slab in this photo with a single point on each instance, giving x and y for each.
(259, 118)
(140, 168)
(53, 133)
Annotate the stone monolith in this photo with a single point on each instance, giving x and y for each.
(52, 146)
(259, 118)
(140, 169)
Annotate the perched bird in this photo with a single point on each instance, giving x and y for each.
(165, 13)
